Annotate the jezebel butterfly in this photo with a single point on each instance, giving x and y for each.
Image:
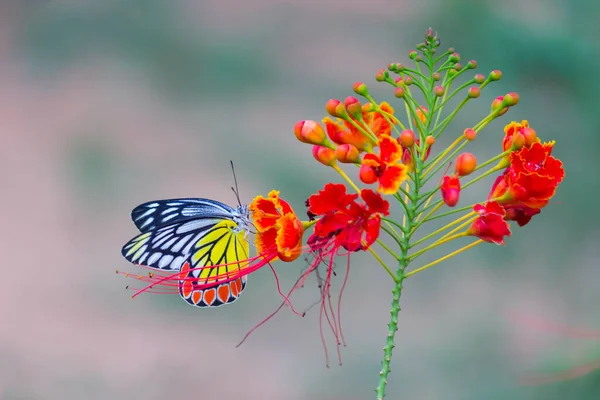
(191, 236)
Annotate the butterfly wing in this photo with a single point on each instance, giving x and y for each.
(167, 247)
(156, 214)
(220, 245)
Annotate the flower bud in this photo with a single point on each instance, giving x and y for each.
(472, 64)
(497, 103)
(368, 107)
(408, 80)
(392, 67)
(495, 75)
(412, 54)
(474, 92)
(399, 92)
(399, 67)
(418, 58)
(518, 142)
(458, 66)
(454, 57)
(450, 49)
(324, 155)
(367, 175)
(450, 190)
(347, 153)
(479, 78)
(407, 138)
(309, 132)
(465, 164)
(360, 89)
(452, 72)
(470, 134)
(353, 107)
(429, 141)
(382, 75)
(511, 99)
(438, 91)
(530, 136)
(399, 81)
(336, 108)
(436, 76)
(421, 114)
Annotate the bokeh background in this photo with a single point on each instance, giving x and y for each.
(107, 104)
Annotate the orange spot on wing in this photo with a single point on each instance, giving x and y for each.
(235, 287)
(184, 270)
(223, 293)
(197, 296)
(209, 296)
(186, 289)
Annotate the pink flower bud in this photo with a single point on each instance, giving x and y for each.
(360, 89)
(472, 64)
(353, 107)
(497, 103)
(474, 92)
(309, 132)
(530, 136)
(399, 92)
(450, 190)
(412, 54)
(458, 66)
(347, 153)
(407, 138)
(495, 75)
(336, 108)
(470, 134)
(511, 99)
(408, 80)
(454, 57)
(438, 91)
(324, 155)
(368, 107)
(479, 78)
(436, 76)
(381, 75)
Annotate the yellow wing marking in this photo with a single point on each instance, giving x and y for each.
(137, 243)
(220, 246)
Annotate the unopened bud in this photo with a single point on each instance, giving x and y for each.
(530, 136)
(458, 66)
(309, 132)
(399, 92)
(382, 75)
(336, 108)
(518, 142)
(452, 72)
(472, 64)
(421, 114)
(368, 107)
(465, 164)
(479, 78)
(450, 189)
(407, 138)
(438, 91)
(511, 99)
(412, 54)
(429, 141)
(360, 89)
(347, 153)
(418, 58)
(470, 134)
(367, 174)
(474, 92)
(436, 76)
(454, 57)
(497, 103)
(408, 80)
(495, 75)
(353, 107)
(324, 155)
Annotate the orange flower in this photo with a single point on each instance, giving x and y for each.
(343, 132)
(532, 178)
(385, 167)
(279, 231)
(490, 226)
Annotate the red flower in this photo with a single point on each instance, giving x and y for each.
(531, 179)
(279, 231)
(490, 226)
(521, 214)
(450, 189)
(385, 167)
(352, 225)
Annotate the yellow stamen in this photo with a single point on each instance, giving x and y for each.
(439, 260)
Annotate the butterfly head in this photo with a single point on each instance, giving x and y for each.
(242, 219)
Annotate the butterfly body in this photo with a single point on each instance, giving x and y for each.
(203, 239)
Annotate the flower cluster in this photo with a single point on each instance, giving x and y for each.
(385, 159)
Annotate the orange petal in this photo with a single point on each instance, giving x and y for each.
(392, 177)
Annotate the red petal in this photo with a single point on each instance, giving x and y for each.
(375, 202)
(333, 197)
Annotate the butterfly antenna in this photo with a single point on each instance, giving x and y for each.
(236, 190)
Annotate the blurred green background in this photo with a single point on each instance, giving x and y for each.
(107, 104)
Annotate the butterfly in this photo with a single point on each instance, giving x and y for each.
(191, 235)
